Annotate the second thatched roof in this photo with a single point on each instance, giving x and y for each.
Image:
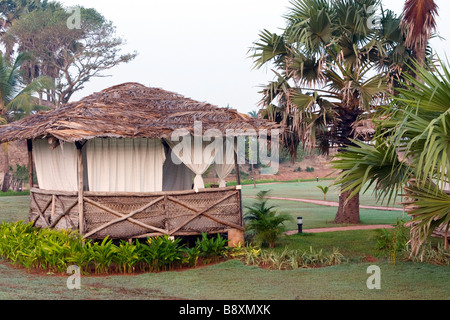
(129, 110)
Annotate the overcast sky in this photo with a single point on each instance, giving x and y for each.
(199, 48)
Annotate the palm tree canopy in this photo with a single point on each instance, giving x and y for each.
(419, 19)
(16, 98)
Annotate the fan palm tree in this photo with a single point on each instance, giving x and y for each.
(418, 23)
(411, 154)
(16, 98)
(323, 63)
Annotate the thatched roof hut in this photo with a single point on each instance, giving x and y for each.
(129, 110)
(103, 164)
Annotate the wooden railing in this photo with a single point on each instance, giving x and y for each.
(136, 215)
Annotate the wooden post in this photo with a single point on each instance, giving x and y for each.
(30, 162)
(79, 146)
(238, 186)
(236, 168)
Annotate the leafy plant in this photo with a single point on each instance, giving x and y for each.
(211, 249)
(126, 256)
(263, 222)
(102, 253)
(164, 253)
(324, 190)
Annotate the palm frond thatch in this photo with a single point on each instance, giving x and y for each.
(130, 110)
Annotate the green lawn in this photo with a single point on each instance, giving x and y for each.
(309, 190)
(316, 216)
(234, 280)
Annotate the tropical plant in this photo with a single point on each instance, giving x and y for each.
(263, 222)
(164, 253)
(16, 99)
(418, 23)
(211, 248)
(126, 256)
(324, 191)
(332, 72)
(410, 154)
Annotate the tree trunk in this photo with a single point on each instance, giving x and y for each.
(348, 211)
(7, 176)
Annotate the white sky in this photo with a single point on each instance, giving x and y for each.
(199, 48)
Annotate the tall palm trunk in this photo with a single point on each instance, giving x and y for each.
(348, 211)
(7, 175)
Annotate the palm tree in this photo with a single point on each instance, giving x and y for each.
(16, 99)
(418, 23)
(410, 154)
(323, 89)
(264, 221)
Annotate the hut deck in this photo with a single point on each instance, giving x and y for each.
(137, 215)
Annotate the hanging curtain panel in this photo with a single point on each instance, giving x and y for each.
(125, 165)
(56, 169)
(224, 161)
(196, 155)
(176, 177)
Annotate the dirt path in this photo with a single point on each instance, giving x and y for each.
(335, 204)
(335, 229)
(328, 203)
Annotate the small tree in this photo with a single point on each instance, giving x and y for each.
(324, 190)
(264, 222)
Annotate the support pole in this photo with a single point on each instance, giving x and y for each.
(81, 226)
(30, 162)
(238, 186)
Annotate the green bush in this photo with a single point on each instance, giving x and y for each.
(264, 223)
(393, 241)
(211, 249)
(54, 251)
(288, 259)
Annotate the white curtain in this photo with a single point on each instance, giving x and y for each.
(56, 169)
(125, 165)
(176, 177)
(196, 156)
(224, 161)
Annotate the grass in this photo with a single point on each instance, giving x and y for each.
(232, 279)
(309, 190)
(316, 216)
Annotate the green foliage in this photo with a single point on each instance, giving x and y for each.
(288, 259)
(410, 153)
(394, 241)
(264, 223)
(435, 255)
(309, 169)
(211, 249)
(164, 253)
(324, 190)
(53, 250)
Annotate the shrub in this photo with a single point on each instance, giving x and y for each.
(264, 223)
(211, 249)
(289, 259)
(54, 250)
(393, 241)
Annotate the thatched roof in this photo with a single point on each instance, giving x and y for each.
(129, 110)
